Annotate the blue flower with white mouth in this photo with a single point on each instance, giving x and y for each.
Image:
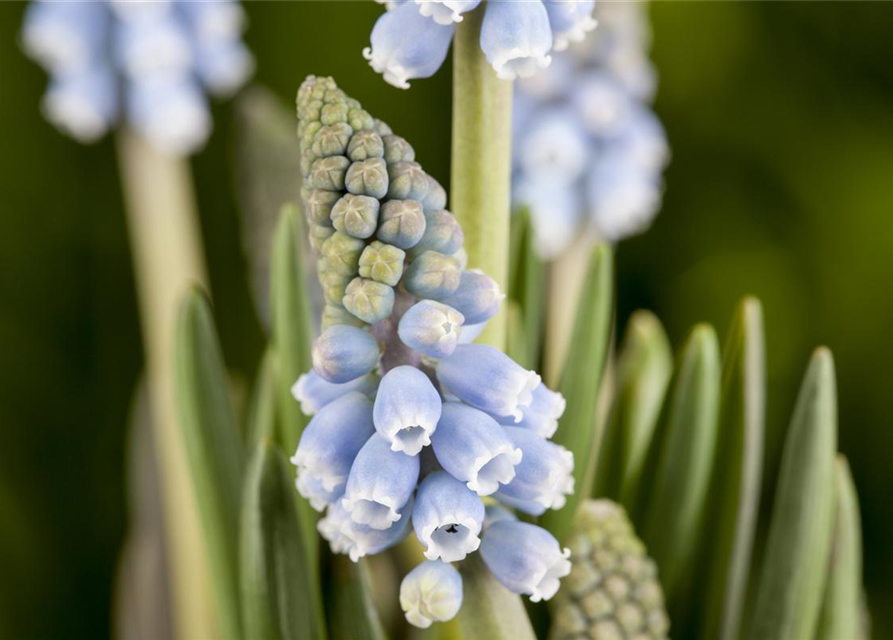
(412, 38)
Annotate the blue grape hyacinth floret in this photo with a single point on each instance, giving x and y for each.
(412, 38)
(147, 62)
(589, 152)
(414, 427)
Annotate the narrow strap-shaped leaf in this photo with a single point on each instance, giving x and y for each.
(795, 563)
(735, 488)
(674, 499)
(353, 615)
(644, 369)
(262, 410)
(527, 282)
(277, 601)
(841, 615)
(489, 610)
(580, 382)
(214, 448)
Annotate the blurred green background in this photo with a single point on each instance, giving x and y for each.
(780, 117)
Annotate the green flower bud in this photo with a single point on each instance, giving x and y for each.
(396, 149)
(332, 140)
(328, 173)
(308, 133)
(436, 198)
(382, 262)
(364, 145)
(382, 128)
(368, 300)
(311, 110)
(612, 590)
(307, 160)
(407, 181)
(318, 236)
(342, 253)
(334, 95)
(368, 178)
(332, 315)
(442, 234)
(333, 113)
(433, 275)
(401, 223)
(359, 118)
(318, 205)
(333, 285)
(357, 216)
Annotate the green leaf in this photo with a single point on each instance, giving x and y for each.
(644, 369)
(214, 449)
(292, 336)
(841, 615)
(580, 382)
(353, 615)
(277, 602)
(489, 610)
(735, 488)
(262, 410)
(674, 497)
(526, 295)
(795, 564)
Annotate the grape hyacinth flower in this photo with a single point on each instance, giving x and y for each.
(411, 39)
(449, 421)
(147, 62)
(589, 152)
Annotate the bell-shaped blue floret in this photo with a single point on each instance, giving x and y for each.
(447, 517)
(477, 298)
(380, 483)
(543, 413)
(525, 558)
(329, 444)
(432, 592)
(357, 540)
(486, 378)
(473, 448)
(516, 37)
(314, 393)
(543, 479)
(570, 20)
(446, 11)
(407, 45)
(343, 353)
(431, 328)
(407, 408)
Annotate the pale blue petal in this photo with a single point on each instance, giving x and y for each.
(446, 11)
(171, 112)
(516, 37)
(380, 483)
(470, 332)
(526, 559)
(329, 444)
(570, 20)
(477, 298)
(65, 36)
(407, 409)
(555, 213)
(407, 45)
(543, 413)
(145, 48)
(486, 378)
(82, 103)
(543, 479)
(432, 592)
(447, 517)
(314, 393)
(431, 328)
(346, 536)
(473, 448)
(343, 353)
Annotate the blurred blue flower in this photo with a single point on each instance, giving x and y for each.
(149, 62)
(526, 559)
(412, 38)
(588, 152)
(406, 410)
(447, 517)
(431, 592)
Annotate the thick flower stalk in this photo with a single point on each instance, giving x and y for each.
(148, 63)
(612, 590)
(412, 38)
(588, 151)
(413, 425)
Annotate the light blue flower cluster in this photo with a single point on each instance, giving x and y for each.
(412, 39)
(147, 61)
(588, 150)
(413, 426)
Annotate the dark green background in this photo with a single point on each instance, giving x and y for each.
(780, 116)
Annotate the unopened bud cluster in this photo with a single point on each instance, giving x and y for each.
(612, 591)
(412, 424)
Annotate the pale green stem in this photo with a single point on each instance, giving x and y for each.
(481, 161)
(167, 258)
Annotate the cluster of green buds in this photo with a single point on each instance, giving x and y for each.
(612, 591)
(375, 216)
